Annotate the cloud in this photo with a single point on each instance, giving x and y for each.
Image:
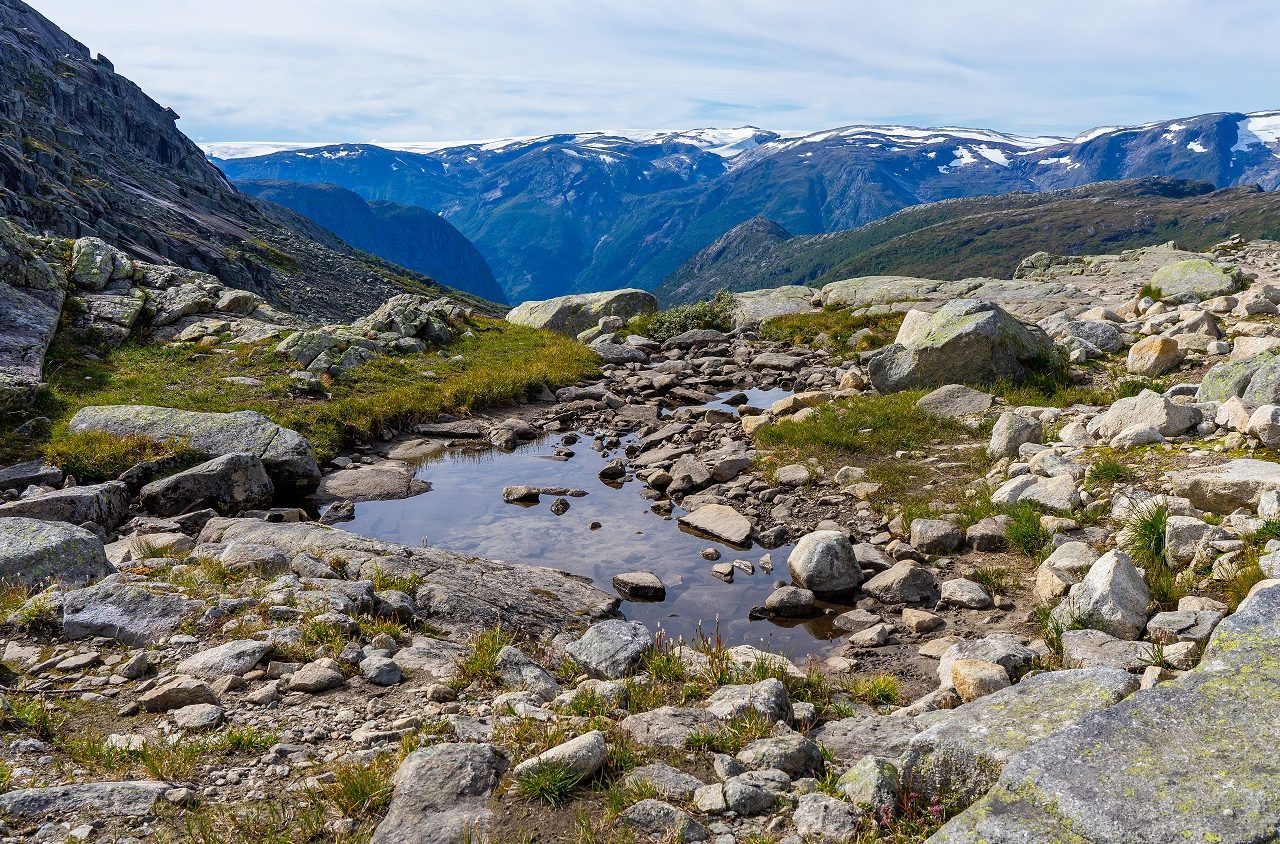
(439, 69)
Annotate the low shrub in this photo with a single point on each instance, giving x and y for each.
(716, 314)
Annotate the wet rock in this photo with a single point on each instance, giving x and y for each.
(33, 551)
(823, 562)
(441, 795)
(227, 484)
(609, 649)
(790, 602)
(289, 459)
(721, 522)
(521, 494)
(129, 614)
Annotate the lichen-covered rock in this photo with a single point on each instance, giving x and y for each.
(289, 459)
(441, 795)
(753, 307)
(571, 315)
(1195, 280)
(966, 342)
(1231, 378)
(133, 799)
(962, 751)
(33, 551)
(851, 739)
(1193, 753)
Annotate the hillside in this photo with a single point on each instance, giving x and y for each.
(986, 236)
(85, 152)
(581, 212)
(412, 237)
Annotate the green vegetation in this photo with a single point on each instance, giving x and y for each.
(995, 579)
(1142, 536)
(31, 715)
(733, 736)
(880, 690)
(865, 424)
(95, 456)
(1025, 533)
(480, 666)
(499, 363)
(1108, 470)
(717, 314)
(838, 324)
(548, 783)
(1152, 292)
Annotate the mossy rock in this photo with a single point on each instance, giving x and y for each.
(1195, 280)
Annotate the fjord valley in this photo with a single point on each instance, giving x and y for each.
(878, 485)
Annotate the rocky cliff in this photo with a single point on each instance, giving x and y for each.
(85, 152)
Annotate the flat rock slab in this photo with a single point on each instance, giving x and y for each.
(962, 752)
(129, 614)
(463, 592)
(1223, 489)
(851, 739)
(92, 799)
(721, 522)
(1192, 759)
(103, 504)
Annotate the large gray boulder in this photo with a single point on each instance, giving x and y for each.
(288, 458)
(1195, 280)
(1231, 378)
(1226, 487)
(441, 795)
(967, 341)
(610, 649)
(823, 563)
(229, 659)
(571, 315)
(124, 612)
(33, 551)
(92, 799)
(753, 307)
(228, 484)
(1189, 760)
(103, 504)
(961, 752)
(31, 295)
(1149, 409)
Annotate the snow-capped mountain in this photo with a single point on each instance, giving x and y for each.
(595, 210)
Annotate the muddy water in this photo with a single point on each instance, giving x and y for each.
(464, 512)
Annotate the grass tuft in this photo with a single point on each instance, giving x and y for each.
(716, 314)
(864, 424)
(549, 783)
(880, 690)
(480, 666)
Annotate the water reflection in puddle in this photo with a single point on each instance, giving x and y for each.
(464, 512)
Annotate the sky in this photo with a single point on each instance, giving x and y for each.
(426, 70)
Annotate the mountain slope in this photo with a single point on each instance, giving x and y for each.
(571, 213)
(403, 234)
(986, 236)
(83, 151)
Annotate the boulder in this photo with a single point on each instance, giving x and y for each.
(1011, 431)
(230, 659)
(289, 459)
(127, 613)
(955, 401)
(227, 484)
(1194, 280)
(820, 817)
(753, 307)
(1181, 751)
(975, 678)
(1231, 378)
(581, 757)
(1228, 486)
(961, 752)
(1003, 649)
(175, 692)
(786, 751)
(823, 562)
(1112, 597)
(517, 671)
(662, 821)
(904, 583)
(1147, 409)
(1058, 494)
(768, 698)
(670, 783)
(609, 649)
(935, 536)
(1264, 386)
(135, 799)
(668, 726)
(1154, 356)
(640, 586)
(34, 551)
(441, 795)
(383, 482)
(852, 739)
(967, 341)
(1096, 649)
(105, 505)
(571, 315)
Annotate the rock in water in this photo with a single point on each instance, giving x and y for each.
(572, 315)
(720, 521)
(967, 341)
(33, 551)
(288, 458)
(441, 794)
(823, 562)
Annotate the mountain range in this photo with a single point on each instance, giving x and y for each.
(85, 152)
(593, 211)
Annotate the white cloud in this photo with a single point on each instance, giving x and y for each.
(431, 69)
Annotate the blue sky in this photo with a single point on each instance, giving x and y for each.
(405, 70)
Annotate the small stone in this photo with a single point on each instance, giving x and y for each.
(975, 678)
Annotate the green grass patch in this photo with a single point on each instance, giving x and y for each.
(548, 783)
(880, 690)
(480, 666)
(500, 363)
(1108, 470)
(877, 425)
(716, 314)
(838, 324)
(93, 456)
(1025, 534)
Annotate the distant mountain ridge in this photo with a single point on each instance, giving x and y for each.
(591, 211)
(406, 235)
(982, 236)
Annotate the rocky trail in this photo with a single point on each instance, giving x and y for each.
(1004, 578)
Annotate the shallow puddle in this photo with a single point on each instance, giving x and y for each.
(464, 512)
